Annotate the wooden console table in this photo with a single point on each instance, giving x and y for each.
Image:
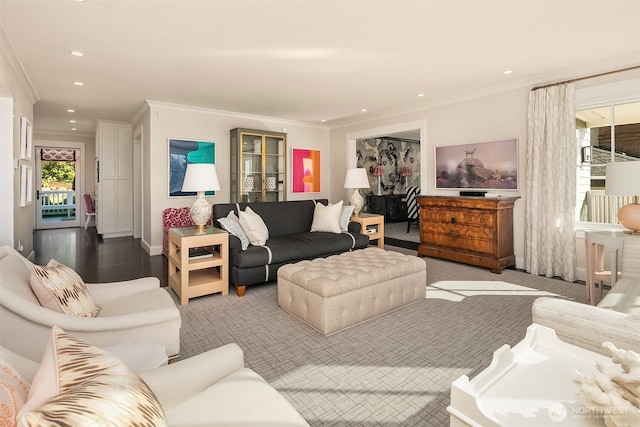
(392, 206)
(472, 230)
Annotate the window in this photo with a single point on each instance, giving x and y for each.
(606, 133)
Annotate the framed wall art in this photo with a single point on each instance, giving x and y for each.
(26, 134)
(182, 152)
(482, 166)
(305, 171)
(26, 185)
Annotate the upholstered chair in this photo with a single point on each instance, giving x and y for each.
(135, 310)
(412, 206)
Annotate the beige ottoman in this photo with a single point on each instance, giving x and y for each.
(331, 294)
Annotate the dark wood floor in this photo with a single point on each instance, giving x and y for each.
(97, 260)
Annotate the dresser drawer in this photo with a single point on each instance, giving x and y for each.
(477, 218)
(476, 239)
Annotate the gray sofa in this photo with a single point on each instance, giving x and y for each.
(290, 240)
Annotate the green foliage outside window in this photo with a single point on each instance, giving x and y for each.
(58, 172)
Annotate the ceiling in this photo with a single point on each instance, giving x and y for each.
(321, 62)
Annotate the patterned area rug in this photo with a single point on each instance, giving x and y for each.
(393, 370)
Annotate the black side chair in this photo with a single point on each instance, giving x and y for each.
(412, 206)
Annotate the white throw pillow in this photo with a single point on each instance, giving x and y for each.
(345, 216)
(13, 394)
(231, 223)
(254, 227)
(327, 218)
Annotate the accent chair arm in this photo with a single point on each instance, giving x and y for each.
(587, 326)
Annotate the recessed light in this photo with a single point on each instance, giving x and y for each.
(323, 120)
(364, 110)
(76, 53)
(74, 129)
(71, 110)
(420, 95)
(72, 121)
(78, 83)
(505, 72)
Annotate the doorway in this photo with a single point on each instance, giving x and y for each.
(57, 181)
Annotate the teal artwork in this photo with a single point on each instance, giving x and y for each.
(181, 153)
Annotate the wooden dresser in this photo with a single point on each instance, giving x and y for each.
(472, 230)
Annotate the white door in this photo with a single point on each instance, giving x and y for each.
(58, 204)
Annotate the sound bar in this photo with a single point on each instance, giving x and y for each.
(472, 193)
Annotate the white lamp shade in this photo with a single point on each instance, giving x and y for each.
(623, 179)
(200, 177)
(356, 178)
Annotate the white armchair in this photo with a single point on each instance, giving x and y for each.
(136, 310)
(211, 389)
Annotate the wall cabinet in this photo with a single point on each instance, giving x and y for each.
(258, 166)
(472, 230)
(114, 176)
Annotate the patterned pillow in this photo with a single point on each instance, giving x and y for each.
(78, 384)
(254, 227)
(327, 218)
(345, 216)
(13, 394)
(59, 288)
(231, 223)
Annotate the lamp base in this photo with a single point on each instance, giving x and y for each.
(629, 217)
(357, 201)
(200, 212)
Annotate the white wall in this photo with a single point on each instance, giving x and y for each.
(490, 118)
(174, 121)
(15, 85)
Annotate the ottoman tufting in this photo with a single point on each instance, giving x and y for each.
(334, 293)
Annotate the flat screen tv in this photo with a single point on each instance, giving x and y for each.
(481, 166)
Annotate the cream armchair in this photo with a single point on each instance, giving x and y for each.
(135, 310)
(616, 318)
(211, 389)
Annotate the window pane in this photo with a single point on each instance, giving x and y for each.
(596, 147)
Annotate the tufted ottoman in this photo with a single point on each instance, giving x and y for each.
(331, 294)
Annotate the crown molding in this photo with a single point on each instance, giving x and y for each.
(193, 109)
(9, 55)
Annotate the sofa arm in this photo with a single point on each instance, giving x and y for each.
(177, 382)
(587, 326)
(354, 227)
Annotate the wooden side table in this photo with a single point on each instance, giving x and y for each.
(372, 225)
(191, 277)
(595, 242)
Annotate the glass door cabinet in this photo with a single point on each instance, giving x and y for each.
(258, 166)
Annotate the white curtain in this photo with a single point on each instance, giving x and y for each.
(550, 243)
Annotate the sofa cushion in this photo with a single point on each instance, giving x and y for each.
(296, 247)
(254, 227)
(231, 223)
(327, 218)
(79, 384)
(61, 289)
(345, 217)
(138, 303)
(13, 394)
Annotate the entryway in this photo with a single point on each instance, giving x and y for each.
(57, 199)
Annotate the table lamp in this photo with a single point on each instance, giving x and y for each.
(200, 177)
(378, 171)
(406, 172)
(356, 178)
(623, 179)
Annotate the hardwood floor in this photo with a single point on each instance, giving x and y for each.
(97, 260)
